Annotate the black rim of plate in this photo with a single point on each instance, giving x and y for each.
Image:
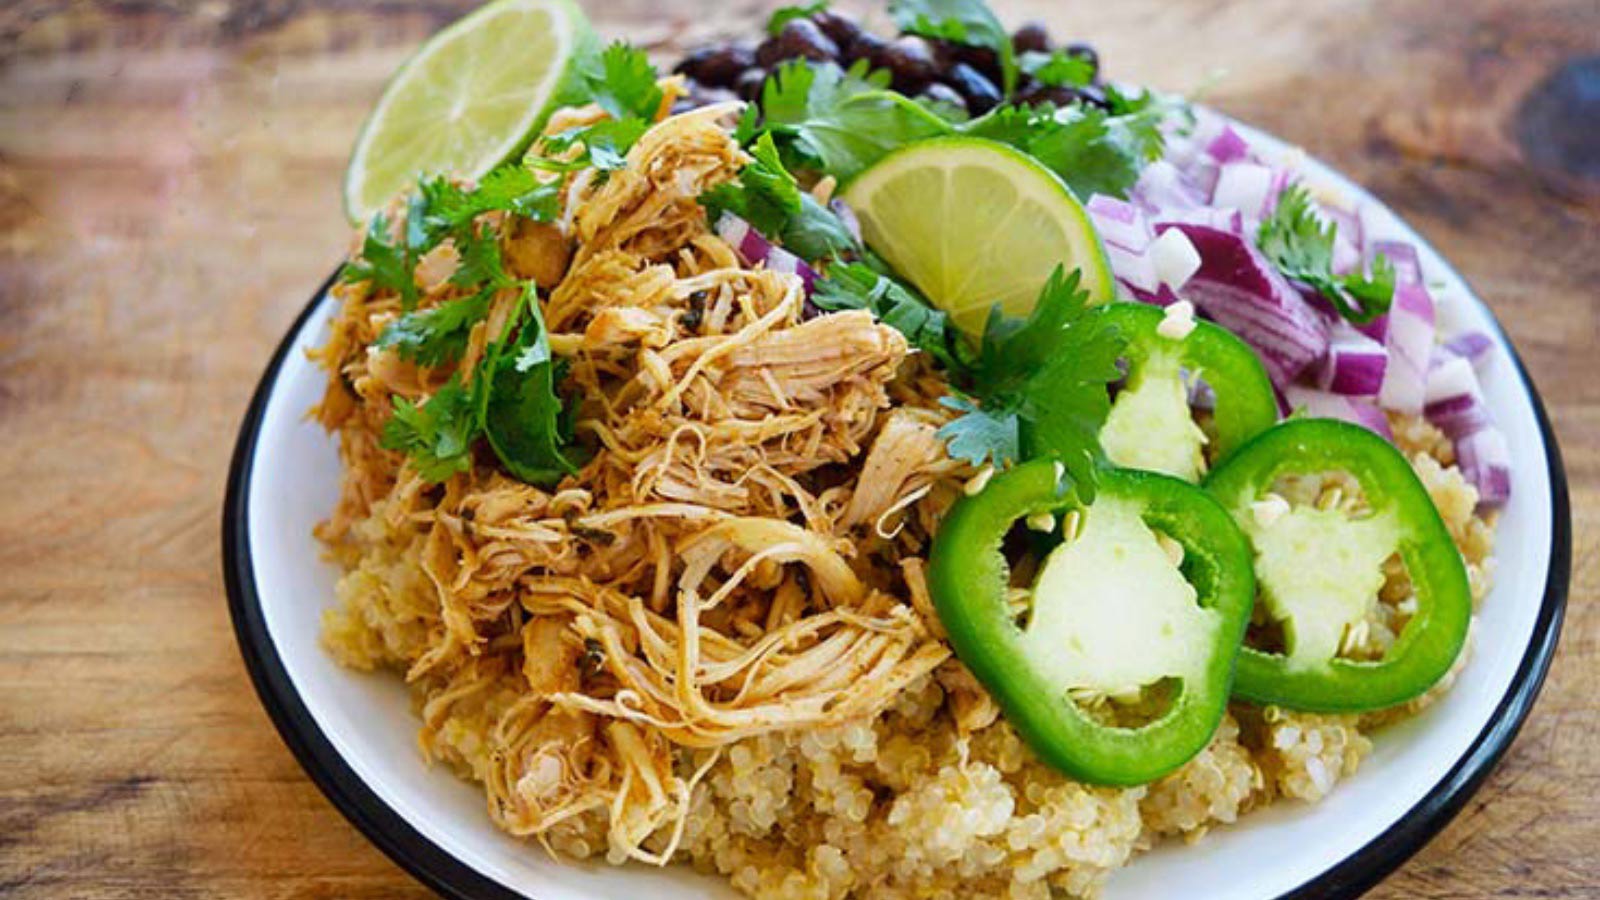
(438, 869)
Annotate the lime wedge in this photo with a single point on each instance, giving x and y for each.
(973, 223)
(472, 97)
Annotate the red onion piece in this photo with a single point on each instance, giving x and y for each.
(1407, 265)
(1410, 344)
(1247, 187)
(1238, 288)
(1473, 346)
(1485, 460)
(1354, 365)
(1323, 405)
(756, 250)
(1121, 224)
(1228, 146)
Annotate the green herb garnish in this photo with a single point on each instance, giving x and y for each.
(1039, 386)
(1300, 244)
(769, 198)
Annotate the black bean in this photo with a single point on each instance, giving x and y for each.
(842, 29)
(1093, 95)
(702, 95)
(1033, 36)
(910, 60)
(749, 84)
(1087, 54)
(940, 92)
(984, 60)
(866, 46)
(1035, 92)
(800, 38)
(980, 93)
(718, 65)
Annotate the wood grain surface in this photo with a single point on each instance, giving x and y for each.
(169, 178)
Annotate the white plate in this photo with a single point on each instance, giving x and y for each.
(356, 736)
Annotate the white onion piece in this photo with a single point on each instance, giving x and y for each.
(1410, 345)
(1324, 405)
(1355, 364)
(1174, 258)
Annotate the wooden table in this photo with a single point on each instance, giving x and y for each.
(169, 178)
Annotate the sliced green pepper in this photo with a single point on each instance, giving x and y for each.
(1319, 570)
(1150, 425)
(1111, 612)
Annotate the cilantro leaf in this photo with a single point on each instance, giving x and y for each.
(605, 146)
(1038, 387)
(785, 14)
(437, 434)
(1300, 244)
(1057, 69)
(388, 265)
(969, 22)
(841, 122)
(433, 337)
(769, 198)
(979, 436)
(622, 80)
(522, 416)
(1013, 349)
(765, 194)
(481, 263)
(858, 286)
(1089, 149)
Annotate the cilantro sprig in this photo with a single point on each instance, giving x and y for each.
(768, 197)
(840, 121)
(860, 286)
(1039, 386)
(1300, 244)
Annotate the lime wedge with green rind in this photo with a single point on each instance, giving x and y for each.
(972, 223)
(472, 97)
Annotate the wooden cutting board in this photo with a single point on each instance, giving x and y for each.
(169, 197)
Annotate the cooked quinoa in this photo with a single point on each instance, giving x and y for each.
(906, 804)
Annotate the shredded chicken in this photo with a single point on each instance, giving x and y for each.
(739, 556)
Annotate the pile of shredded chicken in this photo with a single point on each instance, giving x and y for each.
(743, 552)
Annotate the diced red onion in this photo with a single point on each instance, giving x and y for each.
(1407, 266)
(1485, 460)
(1238, 288)
(1454, 400)
(1223, 218)
(847, 216)
(1410, 345)
(1228, 146)
(1324, 405)
(1162, 186)
(756, 250)
(1354, 365)
(1120, 223)
(1245, 186)
(1133, 269)
(1174, 258)
(1473, 346)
